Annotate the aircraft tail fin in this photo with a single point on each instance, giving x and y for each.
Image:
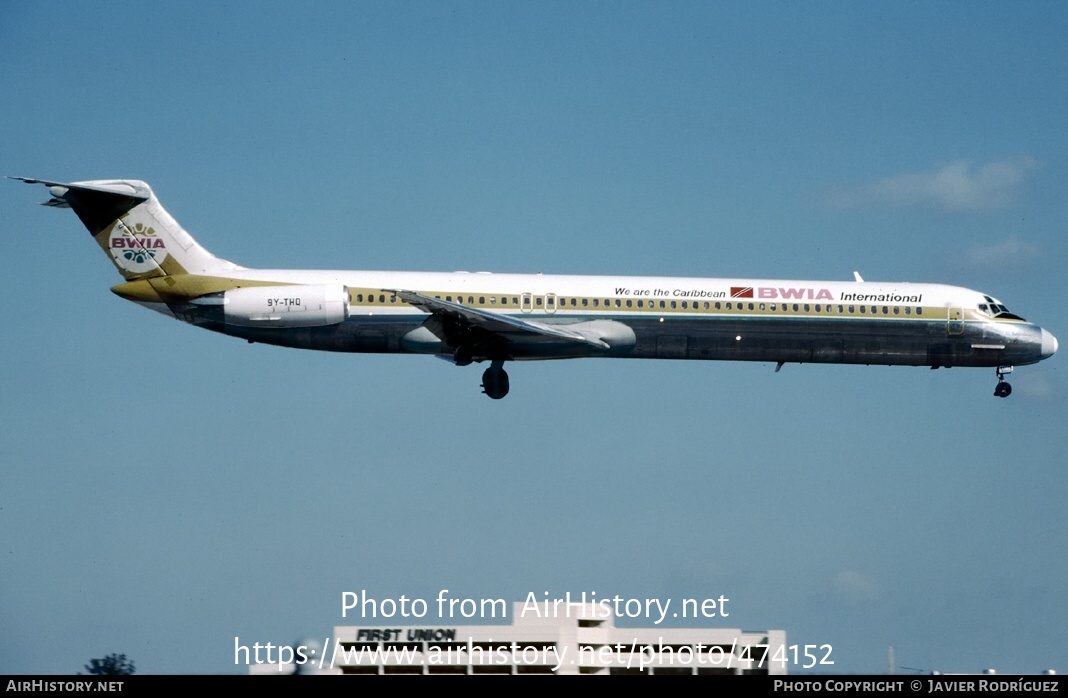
(127, 221)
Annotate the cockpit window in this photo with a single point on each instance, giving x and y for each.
(996, 309)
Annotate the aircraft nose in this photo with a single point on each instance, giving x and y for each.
(1049, 344)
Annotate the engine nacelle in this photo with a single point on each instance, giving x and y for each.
(281, 306)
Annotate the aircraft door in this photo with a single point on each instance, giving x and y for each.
(526, 303)
(550, 302)
(955, 322)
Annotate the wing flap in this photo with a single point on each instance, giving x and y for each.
(507, 327)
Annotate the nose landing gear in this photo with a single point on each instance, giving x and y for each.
(1003, 389)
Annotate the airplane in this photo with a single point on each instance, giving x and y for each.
(485, 317)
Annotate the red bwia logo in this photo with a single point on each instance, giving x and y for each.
(137, 248)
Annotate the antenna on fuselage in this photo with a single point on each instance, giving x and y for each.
(856, 275)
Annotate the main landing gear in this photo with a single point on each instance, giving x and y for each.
(1003, 389)
(462, 356)
(495, 380)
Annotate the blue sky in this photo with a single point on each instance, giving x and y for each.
(164, 490)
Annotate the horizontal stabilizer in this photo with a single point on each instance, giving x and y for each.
(97, 204)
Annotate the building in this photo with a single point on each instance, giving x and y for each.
(580, 638)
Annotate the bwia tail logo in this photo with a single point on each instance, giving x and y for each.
(137, 250)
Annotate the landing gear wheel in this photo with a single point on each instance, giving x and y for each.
(1003, 389)
(495, 381)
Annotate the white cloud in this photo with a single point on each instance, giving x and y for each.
(1010, 253)
(856, 587)
(957, 186)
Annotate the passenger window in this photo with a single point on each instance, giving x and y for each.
(628, 303)
(585, 302)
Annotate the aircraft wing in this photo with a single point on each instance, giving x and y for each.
(504, 327)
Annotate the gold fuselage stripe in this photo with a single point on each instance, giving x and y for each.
(181, 288)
